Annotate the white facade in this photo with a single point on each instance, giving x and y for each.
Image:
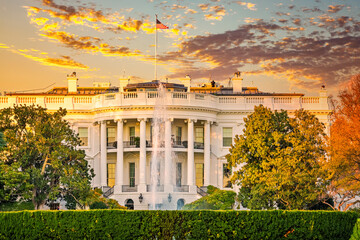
(198, 130)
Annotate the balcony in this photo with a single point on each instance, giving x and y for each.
(182, 188)
(128, 188)
(149, 144)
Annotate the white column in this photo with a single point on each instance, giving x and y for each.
(142, 167)
(190, 164)
(168, 173)
(207, 153)
(103, 155)
(119, 177)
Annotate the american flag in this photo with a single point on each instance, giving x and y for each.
(159, 25)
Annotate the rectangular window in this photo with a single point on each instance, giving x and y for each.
(199, 172)
(132, 135)
(178, 135)
(132, 174)
(227, 136)
(226, 176)
(111, 136)
(178, 174)
(83, 135)
(199, 135)
(111, 174)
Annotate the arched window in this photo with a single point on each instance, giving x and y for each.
(180, 204)
(129, 204)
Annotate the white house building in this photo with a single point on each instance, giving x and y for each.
(116, 126)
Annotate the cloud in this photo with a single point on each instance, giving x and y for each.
(89, 17)
(89, 44)
(44, 59)
(3, 45)
(335, 9)
(215, 13)
(305, 61)
(250, 6)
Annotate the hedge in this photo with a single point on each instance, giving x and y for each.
(121, 224)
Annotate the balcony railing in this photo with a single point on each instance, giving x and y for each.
(182, 188)
(128, 188)
(158, 188)
(149, 144)
(198, 145)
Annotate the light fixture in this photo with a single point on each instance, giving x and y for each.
(169, 197)
(141, 198)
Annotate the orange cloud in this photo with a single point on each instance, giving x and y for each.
(44, 59)
(89, 44)
(250, 6)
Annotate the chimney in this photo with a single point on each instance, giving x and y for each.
(123, 83)
(323, 91)
(186, 82)
(237, 82)
(72, 83)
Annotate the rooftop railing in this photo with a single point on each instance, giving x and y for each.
(222, 102)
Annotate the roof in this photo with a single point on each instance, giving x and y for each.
(155, 84)
(64, 91)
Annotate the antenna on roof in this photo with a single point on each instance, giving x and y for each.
(30, 90)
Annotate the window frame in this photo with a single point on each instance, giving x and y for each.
(227, 140)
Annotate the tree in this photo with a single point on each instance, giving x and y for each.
(41, 160)
(2, 140)
(344, 161)
(278, 160)
(215, 200)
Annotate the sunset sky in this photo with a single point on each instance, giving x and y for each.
(279, 46)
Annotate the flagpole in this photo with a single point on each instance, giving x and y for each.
(155, 47)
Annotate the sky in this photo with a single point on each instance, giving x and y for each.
(278, 46)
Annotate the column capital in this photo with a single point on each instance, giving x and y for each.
(142, 119)
(169, 119)
(118, 120)
(191, 120)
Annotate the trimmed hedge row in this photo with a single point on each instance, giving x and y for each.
(120, 224)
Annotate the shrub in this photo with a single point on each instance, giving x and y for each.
(98, 205)
(120, 224)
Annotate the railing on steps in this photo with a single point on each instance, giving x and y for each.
(201, 192)
(109, 192)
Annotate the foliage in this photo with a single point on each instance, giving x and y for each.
(41, 160)
(278, 160)
(2, 140)
(98, 205)
(97, 201)
(215, 200)
(17, 206)
(356, 231)
(344, 162)
(119, 224)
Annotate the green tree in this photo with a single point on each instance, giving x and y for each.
(41, 160)
(278, 160)
(2, 140)
(215, 200)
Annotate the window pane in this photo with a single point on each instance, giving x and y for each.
(111, 134)
(178, 135)
(111, 174)
(199, 135)
(199, 172)
(132, 135)
(227, 136)
(226, 176)
(83, 135)
(132, 174)
(178, 174)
